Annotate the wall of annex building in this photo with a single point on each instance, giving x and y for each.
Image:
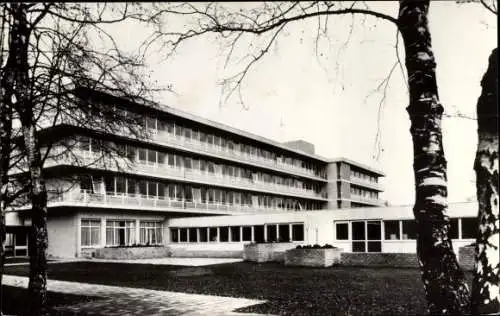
(320, 227)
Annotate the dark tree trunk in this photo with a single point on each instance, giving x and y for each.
(444, 284)
(37, 242)
(6, 81)
(485, 287)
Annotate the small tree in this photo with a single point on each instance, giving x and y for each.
(49, 53)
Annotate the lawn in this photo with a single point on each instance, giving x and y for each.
(289, 291)
(16, 260)
(15, 300)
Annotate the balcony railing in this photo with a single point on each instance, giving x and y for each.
(231, 153)
(190, 143)
(366, 200)
(194, 175)
(84, 197)
(366, 183)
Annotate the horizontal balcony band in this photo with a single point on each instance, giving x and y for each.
(191, 175)
(138, 201)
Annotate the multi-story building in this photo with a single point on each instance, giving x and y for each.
(115, 188)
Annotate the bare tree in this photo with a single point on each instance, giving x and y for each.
(262, 24)
(485, 288)
(50, 60)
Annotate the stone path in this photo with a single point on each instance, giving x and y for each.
(195, 262)
(115, 300)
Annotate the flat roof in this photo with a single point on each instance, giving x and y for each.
(357, 164)
(185, 115)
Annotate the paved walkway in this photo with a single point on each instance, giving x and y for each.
(114, 300)
(195, 262)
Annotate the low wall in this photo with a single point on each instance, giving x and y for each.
(266, 252)
(198, 253)
(466, 257)
(406, 260)
(312, 257)
(132, 252)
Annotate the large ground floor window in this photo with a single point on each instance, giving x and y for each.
(367, 235)
(151, 233)
(120, 233)
(91, 232)
(283, 232)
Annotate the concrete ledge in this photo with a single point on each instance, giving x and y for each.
(466, 257)
(193, 253)
(132, 252)
(325, 257)
(266, 252)
(375, 259)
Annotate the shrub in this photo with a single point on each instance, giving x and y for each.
(316, 246)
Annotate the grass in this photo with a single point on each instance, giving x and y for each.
(15, 300)
(16, 260)
(289, 291)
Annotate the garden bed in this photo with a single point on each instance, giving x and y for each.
(132, 252)
(266, 252)
(312, 257)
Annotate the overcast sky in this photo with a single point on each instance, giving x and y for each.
(294, 94)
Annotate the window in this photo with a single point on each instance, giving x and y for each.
(247, 233)
(161, 157)
(84, 143)
(152, 189)
(193, 235)
(174, 234)
(183, 235)
(342, 231)
(392, 230)
(86, 183)
(374, 236)
(120, 184)
(453, 228)
(224, 234)
(131, 186)
(469, 227)
(259, 233)
(142, 154)
(161, 190)
(271, 232)
(131, 152)
(151, 233)
(213, 233)
(120, 233)
(142, 186)
(91, 232)
(409, 229)
(358, 237)
(152, 156)
(203, 234)
(235, 233)
(284, 233)
(298, 232)
(109, 184)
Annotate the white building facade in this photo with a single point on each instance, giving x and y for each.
(196, 183)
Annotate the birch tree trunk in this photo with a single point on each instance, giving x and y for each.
(22, 103)
(445, 288)
(485, 287)
(5, 143)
